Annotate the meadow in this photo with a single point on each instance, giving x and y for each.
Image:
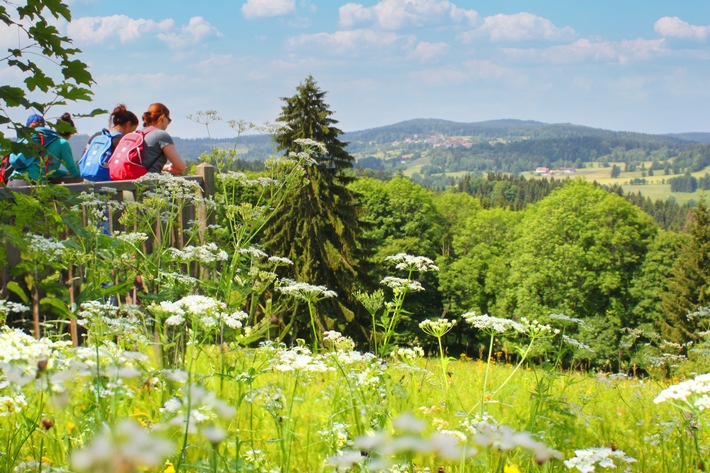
(198, 374)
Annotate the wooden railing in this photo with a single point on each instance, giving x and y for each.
(125, 191)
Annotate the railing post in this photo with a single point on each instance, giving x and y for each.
(205, 217)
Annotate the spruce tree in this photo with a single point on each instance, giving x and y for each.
(318, 226)
(689, 285)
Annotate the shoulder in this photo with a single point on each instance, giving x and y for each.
(159, 136)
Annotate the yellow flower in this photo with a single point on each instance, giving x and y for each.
(169, 468)
(511, 469)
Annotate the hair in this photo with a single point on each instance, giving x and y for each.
(150, 118)
(122, 116)
(66, 117)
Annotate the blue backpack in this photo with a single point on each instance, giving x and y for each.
(93, 165)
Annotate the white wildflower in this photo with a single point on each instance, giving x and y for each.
(407, 262)
(492, 324)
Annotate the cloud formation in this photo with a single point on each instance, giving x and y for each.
(125, 30)
(674, 27)
(398, 14)
(122, 27)
(352, 41)
(518, 27)
(426, 52)
(586, 51)
(253, 9)
(197, 30)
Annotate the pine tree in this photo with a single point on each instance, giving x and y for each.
(689, 285)
(318, 226)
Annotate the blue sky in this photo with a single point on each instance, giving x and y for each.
(633, 65)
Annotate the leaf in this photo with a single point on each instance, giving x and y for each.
(58, 304)
(78, 71)
(13, 96)
(16, 289)
(93, 113)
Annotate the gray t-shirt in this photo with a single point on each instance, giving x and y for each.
(154, 158)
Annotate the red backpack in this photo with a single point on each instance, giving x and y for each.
(126, 162)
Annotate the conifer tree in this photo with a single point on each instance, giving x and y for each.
(318, 226)
(689, 285)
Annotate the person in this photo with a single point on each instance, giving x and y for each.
(121, 122)
(160, 153)
(66, 118)
(56, 152)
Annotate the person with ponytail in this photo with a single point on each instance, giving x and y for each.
(160, 152)
(120, 122)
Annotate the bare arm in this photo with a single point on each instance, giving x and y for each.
(175, 163)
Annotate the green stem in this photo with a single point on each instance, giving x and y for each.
(485, 378)
(522, 359)
(311, 312)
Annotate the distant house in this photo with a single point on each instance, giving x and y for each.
(568, 170)
(542, 170)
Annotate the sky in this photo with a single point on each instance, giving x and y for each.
(630, 65)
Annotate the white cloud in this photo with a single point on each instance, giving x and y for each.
(354, 13)
(584, 50)
(674, 27)
(397, 14)
(126, 29)
(352, 41)
(426, 52)
(518, 27)
(195, 31)
(267, 8)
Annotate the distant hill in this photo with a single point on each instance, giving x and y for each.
(430, 146)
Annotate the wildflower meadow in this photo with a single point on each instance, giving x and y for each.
(198, 373)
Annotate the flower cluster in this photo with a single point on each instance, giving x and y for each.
(437, 328)
(605, 457)
(407, 354)
(205, 254)
(399, 285)
(304, 291)
(535, 329)
(493, 324)
(337, 341)
(45, 249)
(131, 238)
(694, 392)
(207, 311)
(407, 262)
(125, 447)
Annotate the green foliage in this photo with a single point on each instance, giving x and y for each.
(689, 284)
(56, 78)
(318, 227)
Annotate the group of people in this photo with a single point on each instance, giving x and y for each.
(160, 153)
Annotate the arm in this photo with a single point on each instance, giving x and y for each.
(66, 157)
(175, 164)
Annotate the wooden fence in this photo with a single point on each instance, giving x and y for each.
(125, 191)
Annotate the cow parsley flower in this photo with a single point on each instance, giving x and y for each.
(492, 324)
(304, 291)
(399, 285)
(588, 459)
(407, 262)
(691, 392)
(437, 328)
